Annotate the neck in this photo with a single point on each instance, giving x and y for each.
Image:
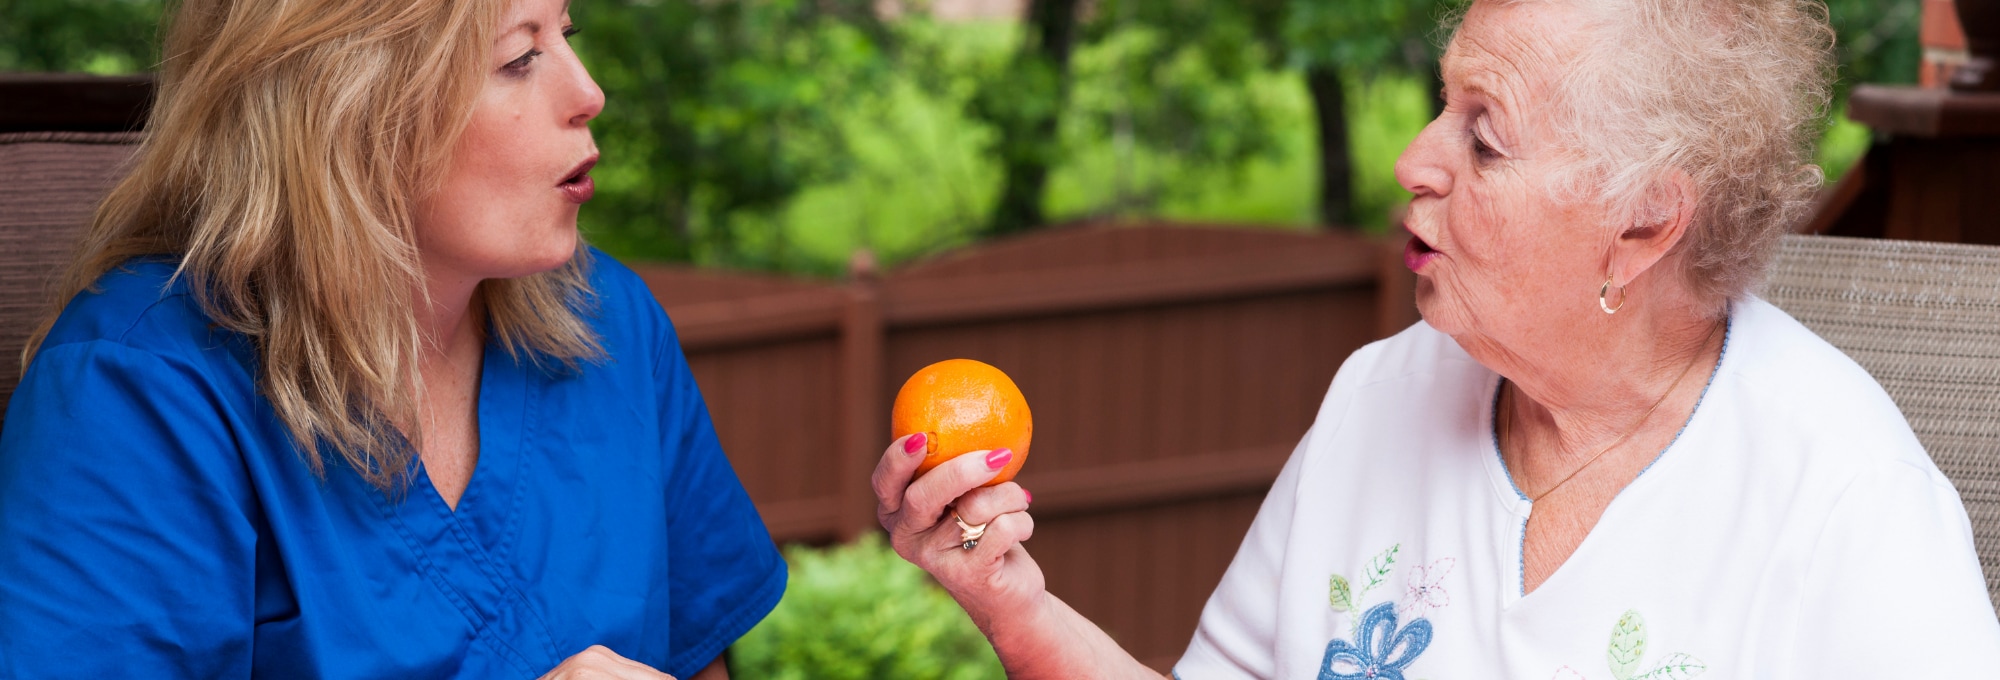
(449, 317)
(1581, 390)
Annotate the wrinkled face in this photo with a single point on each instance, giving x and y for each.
(1498, 257)
(508, 203)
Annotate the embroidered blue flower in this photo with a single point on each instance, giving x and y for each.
(1383, 650)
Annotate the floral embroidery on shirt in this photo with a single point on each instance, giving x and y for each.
(1628, 649)
(1381, 647)
(1344, 597)
(1426, 589)
(1380, 650)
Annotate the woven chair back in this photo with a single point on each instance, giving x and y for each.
(1924, 319)
(50, 182)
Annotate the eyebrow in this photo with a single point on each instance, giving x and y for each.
(535, 27)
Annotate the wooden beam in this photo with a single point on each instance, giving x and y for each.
(1930, 113)
(864, 423)
(1169, 480)
(1072, 290)
(74, 102)
(763, 318)
(805, 519)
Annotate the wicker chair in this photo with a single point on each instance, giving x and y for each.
(1924, 319)
(49, 183)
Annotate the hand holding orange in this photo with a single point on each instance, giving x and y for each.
(963, 406)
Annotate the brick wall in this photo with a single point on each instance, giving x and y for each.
(1944, 43)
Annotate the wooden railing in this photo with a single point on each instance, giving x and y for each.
(1168, 391)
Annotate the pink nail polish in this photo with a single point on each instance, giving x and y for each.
(915, 443)
(998, 458)
(1031, 496)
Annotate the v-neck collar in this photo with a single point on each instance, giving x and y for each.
(465, 553)
(1516, 503)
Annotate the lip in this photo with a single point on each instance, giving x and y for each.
(1417, 253)
(577, 186)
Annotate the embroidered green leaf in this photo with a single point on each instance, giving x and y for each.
(1378, 568)
(1628, 645)
(1677, 666)
(1340, 594)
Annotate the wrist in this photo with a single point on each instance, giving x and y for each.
(1023, 635)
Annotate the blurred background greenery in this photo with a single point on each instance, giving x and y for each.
(859, 612)
(783, 135)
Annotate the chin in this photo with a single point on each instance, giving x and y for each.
(541, 257)
(1433, 309)
(553, 259)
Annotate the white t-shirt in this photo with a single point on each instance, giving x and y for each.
(1795, 529)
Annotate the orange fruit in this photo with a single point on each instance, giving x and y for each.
(963, 406)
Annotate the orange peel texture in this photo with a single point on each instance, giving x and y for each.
(964, 406)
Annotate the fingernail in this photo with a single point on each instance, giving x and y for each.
(1030, 495)
(998, 458)
(914, 444)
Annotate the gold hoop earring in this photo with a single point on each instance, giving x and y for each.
(1604, 291)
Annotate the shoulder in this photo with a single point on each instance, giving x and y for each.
(1418, 354)
(621, 303)
(1792, 384)
(140, 304)
(1408, 396)
(627, 317)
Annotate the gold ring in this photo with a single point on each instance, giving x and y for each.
(968, 535)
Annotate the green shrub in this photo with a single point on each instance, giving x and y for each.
(860, 612)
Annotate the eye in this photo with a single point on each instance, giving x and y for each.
(519, 66)
(1481, 149)
(570, 30)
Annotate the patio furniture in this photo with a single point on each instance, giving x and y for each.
(49, 183)
(1924, 319)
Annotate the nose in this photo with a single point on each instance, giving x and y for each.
(587, 99)
(1423, 169)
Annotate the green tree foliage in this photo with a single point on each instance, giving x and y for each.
(736, 128)
(1174, 85)
(100, 36)
(1023, 103)
(1877, 40)
(718, 113)
(859, 612)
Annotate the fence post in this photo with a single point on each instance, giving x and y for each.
(864, 427)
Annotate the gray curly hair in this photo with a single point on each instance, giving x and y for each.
(1731, 92)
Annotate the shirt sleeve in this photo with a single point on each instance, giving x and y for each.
(125, 546)
(1895, 589)
(726, 573)
(1238, 628)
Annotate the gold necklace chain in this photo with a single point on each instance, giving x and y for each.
(1506, 418)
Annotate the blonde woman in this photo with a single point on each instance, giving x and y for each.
(336, 391)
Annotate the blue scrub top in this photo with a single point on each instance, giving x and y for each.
(156, 519)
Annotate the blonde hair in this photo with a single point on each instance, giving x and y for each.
(1730, 92)
(283, 160)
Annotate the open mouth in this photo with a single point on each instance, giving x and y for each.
(582, 171)
(577, 186)
(1417, 253)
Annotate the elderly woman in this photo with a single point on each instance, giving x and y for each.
(337, 392)
(1599, 456)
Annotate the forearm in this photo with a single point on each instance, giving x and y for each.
(1057, 643)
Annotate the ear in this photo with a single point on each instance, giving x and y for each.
(1657, 224)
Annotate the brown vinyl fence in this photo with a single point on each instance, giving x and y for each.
(1171, 370)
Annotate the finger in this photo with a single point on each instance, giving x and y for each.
(981, 505)
(924, 501)
(892, 473)
(1003, 533)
